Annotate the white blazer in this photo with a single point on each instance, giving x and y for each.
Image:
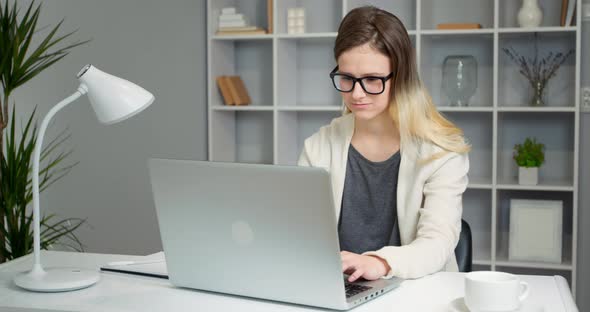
(429, 199)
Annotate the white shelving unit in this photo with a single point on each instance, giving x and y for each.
(292, 96)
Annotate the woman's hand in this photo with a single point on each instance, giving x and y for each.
(367, 267)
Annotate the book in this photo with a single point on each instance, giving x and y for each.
(569, 19)
(223, 85)
(564, 7)
(150, 266)
(231, 24)
(458, 26)
(243, 96)
(573, 22)
(230, 32)
(231, 17)
(269, 13)
(228, 10)
(233, 89)
(239, 28)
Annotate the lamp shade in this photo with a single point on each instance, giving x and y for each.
(113, 99)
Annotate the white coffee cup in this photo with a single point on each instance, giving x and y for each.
(494, 291)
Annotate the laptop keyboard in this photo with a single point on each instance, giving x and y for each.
(354, 289)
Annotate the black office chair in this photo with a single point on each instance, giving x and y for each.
(463, 251)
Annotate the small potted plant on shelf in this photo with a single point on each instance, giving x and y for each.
(529, 156)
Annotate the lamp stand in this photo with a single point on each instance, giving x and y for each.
(58, 279)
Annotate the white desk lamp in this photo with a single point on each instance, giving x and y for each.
(113, 99)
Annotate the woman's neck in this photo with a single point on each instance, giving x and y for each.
(381, 127)
(376, 139)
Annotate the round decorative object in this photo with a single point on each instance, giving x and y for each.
(530, 14)
(459, 79)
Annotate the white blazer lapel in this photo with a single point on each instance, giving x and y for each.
(340, 159)
(405, 181)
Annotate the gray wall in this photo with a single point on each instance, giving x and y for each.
(160, 45)
(584, 185)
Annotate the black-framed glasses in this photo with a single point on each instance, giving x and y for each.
(370, 84)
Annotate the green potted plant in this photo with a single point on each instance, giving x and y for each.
(26, 50)
(529, 156)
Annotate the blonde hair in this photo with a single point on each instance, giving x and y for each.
(411, 106)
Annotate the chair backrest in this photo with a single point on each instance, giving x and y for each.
(463, 251)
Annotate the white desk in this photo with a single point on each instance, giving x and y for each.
(123, 292)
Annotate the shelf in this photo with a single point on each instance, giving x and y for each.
(517, 30)
(481, 263)
(502, 260)
(243, 108)
(483, 183)
(308, 35)
(466, 32)
(287, 76)
(467, 109)
(544, 185)
(241, 37)
(481, 266)
(528, 109)
(536, 265)
(303, 108)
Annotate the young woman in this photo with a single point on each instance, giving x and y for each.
(398, 168)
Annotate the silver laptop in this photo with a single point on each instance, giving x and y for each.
(259, 231)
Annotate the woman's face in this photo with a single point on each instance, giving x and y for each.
(360, 62)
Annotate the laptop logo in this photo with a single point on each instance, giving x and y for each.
(242, 233)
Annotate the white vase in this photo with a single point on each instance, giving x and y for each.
(530, 15)
(528, 176)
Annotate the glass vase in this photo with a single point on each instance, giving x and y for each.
(459, 79)
(538, 98)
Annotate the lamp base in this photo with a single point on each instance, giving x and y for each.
(57, 280)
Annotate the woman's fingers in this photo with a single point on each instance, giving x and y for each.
(356, 275)
(358, 266)
(353, 270)
(347, 267)
(352, 265)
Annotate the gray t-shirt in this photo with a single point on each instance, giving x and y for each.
(368, 219)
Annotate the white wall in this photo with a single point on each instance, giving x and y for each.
(160, 45)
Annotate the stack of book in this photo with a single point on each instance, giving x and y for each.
(456, 26)
(233, 90)
(233, 23)
(568, 12)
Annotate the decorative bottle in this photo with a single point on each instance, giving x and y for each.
(530, 14)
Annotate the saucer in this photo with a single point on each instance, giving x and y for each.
(458, 305)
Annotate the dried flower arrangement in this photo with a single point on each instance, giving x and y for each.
(538, 71)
